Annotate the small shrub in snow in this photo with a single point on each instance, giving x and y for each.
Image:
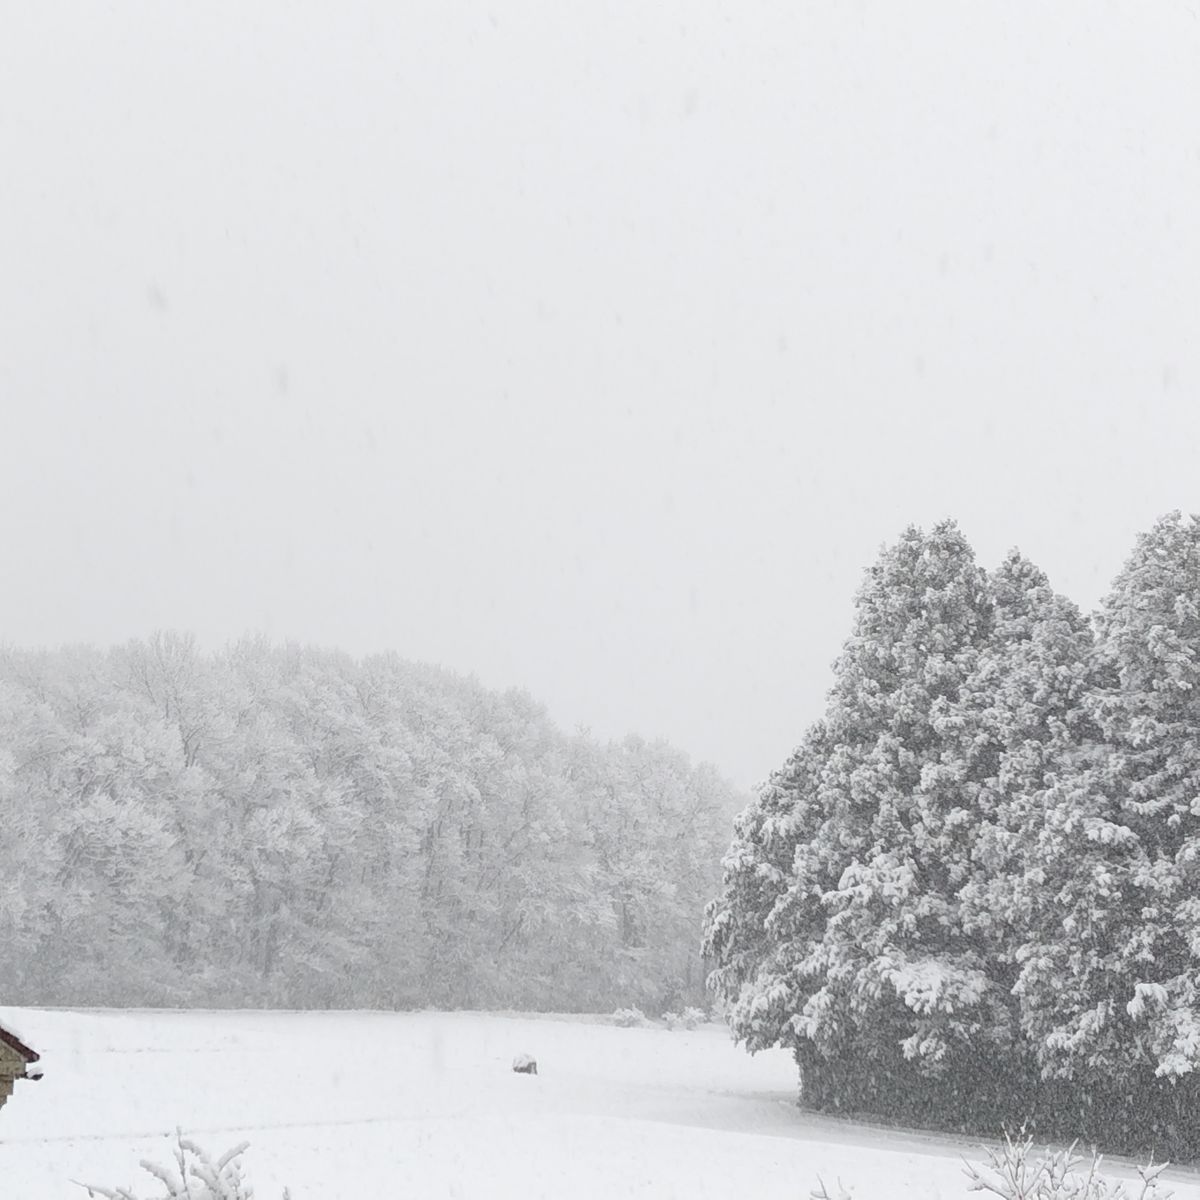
(1011, 1175)
(821, 1192)
(194, 1176)
(627, 1018)
(690, 1018)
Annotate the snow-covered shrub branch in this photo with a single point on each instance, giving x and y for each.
(194, 1175)
(1010, 1173)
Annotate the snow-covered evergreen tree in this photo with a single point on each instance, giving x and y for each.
(763, 927)
(1022, 721)
(855, 955)
(969, 895)
(898, 972)
(1115, 994)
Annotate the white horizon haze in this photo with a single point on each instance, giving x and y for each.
(592, 350)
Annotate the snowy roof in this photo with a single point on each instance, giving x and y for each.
(10, 1039)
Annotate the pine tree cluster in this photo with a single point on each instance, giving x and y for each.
(969, 898)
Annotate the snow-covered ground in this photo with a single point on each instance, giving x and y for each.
(376, 1106)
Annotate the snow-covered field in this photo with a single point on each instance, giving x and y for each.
(381, 1106)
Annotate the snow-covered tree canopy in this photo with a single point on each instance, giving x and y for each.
(284, 826)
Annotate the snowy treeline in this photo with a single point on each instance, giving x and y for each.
(971, 893)
(291, 827)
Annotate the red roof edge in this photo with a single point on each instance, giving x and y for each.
(13, 1042)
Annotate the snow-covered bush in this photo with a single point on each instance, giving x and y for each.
(193, 1176)
(1011, 1174)
(628, 1018)
(690, 1018)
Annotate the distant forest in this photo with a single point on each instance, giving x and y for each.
(972, 895)
(289, 827)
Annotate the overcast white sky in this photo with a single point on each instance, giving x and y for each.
(592, 348)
